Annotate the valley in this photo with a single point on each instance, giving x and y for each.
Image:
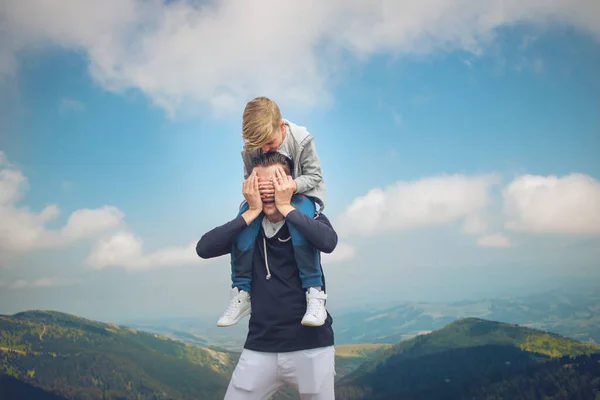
(545, 345)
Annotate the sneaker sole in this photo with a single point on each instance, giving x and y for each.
(309, 323)
(235, 321)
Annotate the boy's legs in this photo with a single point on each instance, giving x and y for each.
(309, 266)
(241, 273)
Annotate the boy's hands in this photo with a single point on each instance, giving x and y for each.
(284, 188)
(267, 190)
(252, 196)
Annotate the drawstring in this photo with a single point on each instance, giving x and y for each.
(266, 258)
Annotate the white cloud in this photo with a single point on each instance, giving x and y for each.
(289, 50)
(550, 204)
(475, 224)
(23, 230)
(88, 222)
(429, 201)
(342, 252)
(42, 283)
(494, 240)
(124, 249)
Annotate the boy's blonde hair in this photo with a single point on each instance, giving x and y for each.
(260, 119)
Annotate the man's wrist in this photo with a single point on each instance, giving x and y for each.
(250, 215)
(285, 209)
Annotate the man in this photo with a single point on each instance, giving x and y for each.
(278, 348)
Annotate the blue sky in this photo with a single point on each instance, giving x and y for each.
(460, 157)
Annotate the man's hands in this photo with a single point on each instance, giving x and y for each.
(284, 189)
(252, 195)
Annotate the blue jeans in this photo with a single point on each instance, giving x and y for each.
(307, 256)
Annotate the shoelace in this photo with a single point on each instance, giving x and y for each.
(232, 308)
(313, 306)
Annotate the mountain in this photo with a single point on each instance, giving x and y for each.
(476, 358)
(571, 311)
(52, 355)
(351, 356)
(201, 331)
(78, 358)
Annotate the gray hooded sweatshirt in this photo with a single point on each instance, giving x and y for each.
(299, 146)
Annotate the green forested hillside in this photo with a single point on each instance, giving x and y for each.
(79, 358)
(62, 356)
(13, 389)
(84, 359)
(474, 358)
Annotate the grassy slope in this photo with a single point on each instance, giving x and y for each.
(50, 348)
(472, 343)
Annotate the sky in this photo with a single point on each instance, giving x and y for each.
(458, 140)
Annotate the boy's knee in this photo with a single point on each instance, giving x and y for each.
(243, 207)
(304, 204)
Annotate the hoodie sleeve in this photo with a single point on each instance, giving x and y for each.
(218, 241)
(318, 231)
(311, 169)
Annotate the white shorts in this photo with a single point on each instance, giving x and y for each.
(259, 375)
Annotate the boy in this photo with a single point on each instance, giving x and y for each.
(263, 131)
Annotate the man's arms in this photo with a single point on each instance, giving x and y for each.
(318, 232)
(218, 241)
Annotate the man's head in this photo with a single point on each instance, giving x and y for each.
(265, 165)
(262, 125)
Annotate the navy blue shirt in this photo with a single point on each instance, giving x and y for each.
(278, 304)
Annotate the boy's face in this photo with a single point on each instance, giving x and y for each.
(275, 140)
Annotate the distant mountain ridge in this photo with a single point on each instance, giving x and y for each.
(571, 312)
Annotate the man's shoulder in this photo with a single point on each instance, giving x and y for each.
(322, 217)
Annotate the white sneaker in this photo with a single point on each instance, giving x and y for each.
(316, 314)
(239, 307)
